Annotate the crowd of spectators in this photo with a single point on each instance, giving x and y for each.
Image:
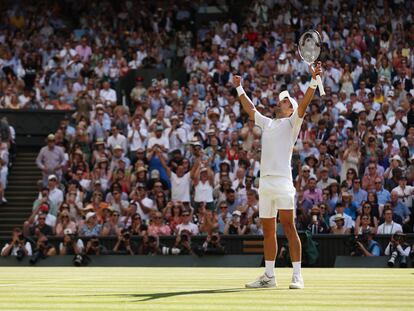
(183, 156)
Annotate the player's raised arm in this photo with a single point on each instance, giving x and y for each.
(245, 101)
(311, 90)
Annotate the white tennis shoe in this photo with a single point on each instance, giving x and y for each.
(263, 282)
(297, 282)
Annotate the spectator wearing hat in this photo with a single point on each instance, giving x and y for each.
(325, 181)
(91, 227)
(51, 159)
(395, 162)
(340, 209)
(312, 161)
(117, 157)
(339, 227)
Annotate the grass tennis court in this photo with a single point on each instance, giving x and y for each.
(28, 288)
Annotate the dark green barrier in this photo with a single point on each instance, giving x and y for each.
(32, 127)
(329, 247)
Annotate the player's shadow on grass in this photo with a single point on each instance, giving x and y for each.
(155, 296)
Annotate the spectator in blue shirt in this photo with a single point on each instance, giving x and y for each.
(399, 208)
(383, 194)
(358, 195)
(350, 207)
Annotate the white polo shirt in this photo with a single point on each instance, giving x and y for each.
(390, 228)
(278, 138)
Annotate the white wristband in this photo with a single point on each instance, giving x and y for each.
(313, 84)
(240, 90)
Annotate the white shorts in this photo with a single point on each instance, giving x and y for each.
(275, 194)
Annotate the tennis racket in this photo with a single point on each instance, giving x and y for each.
(309, 49)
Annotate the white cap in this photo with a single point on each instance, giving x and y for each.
(285, 94)
(52, 177)
(67, 231)
(89, 215)
(236, 213)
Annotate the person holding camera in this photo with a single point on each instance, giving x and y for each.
(94, 247)
(124, 245)
(70, 244)
(18, 246)
(43, 250)
(365, 245)
(182, 245)
(398, 249)
(150, 245)
(211, 245)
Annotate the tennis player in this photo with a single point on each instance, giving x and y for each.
(276, 190)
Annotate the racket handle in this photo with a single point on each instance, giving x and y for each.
(320, 86)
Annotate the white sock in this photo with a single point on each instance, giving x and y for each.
(296, 267)
(270, 268)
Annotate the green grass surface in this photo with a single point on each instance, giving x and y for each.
(217, 289)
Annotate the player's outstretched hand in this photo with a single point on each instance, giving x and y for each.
(236, 80)
(317, 71)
